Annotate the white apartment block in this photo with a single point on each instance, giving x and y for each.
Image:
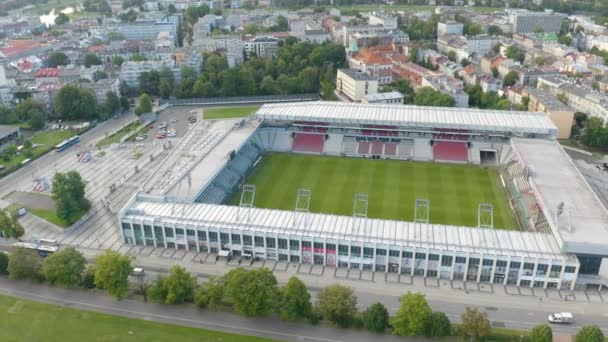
(355, 84)
(526, 22)
(387, 21)
(450, 27)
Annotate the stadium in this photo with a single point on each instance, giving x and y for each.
(447, 193)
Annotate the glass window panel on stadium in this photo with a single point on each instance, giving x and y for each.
(403, 259)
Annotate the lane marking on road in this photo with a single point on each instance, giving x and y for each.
(171, 318)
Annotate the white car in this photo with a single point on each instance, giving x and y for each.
(560, 317)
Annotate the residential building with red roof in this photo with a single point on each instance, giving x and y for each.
(16, 49)
(376, 61)
(47, 75)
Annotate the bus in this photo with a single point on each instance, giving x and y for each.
(67, 143)
(43, 250)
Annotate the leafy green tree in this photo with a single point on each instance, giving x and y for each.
(73, 103)
(3, 263)
(91, 59)
(88, 277)
(516, 53)
(144, 105)
(375, 318)
(452, 56)
(24, 264)
(338, 304)
(116, 36)
(427, 96)
(64, 268)
(33, 112)
(565, 40)
(494, 72)
(474, 29)
(253, 292)
(413, 315)
(595, 133)
(250, 29)
(180, 286)
(69, 195)
(295, 300)
(510, 79)
(540, 60)
(112, 273)
(61, 18)
(475, 324)
(590, 333)
(10, 227)
(56, 59)
(117, 60)
(158, 291)
(541, 333)
(439, 325)
(171, 8)
(210, 294)
(112, 102)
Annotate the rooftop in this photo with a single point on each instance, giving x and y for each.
(411, 116)
(356, 74)
(337, 228)
(15, 47)
(583, 227)
(47, 72)
(383, 96)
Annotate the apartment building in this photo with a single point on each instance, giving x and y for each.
(355, 84)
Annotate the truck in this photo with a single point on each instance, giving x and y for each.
(561, 317)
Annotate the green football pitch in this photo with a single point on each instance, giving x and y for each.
(392, 186)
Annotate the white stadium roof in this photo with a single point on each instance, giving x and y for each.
(583, 227)
(341, 229)
(410, 116)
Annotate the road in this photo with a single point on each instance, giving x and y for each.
(272, 327)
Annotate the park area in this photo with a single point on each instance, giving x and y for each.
(24, 320)
(454, 191)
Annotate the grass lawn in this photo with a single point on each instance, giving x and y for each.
(49, 215)
(226, 113)
(454, 191)
(115, 138)
(51, 138)
(24, 320)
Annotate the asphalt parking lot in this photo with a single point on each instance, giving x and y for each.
(176, 118)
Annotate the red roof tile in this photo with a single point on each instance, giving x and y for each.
(47, 72)
(14, 47)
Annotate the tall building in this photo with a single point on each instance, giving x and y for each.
(355, 84)
(147, 29)
(526, 22)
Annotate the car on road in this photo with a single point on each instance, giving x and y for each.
(560, 317)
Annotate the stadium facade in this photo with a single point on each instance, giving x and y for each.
(562, 243)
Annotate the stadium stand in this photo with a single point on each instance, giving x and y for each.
(349, 146)
(405, 150)
(377, 147)
(333, 145)
(308, 143)
(450, 151)
(390, 149)
(363, 147)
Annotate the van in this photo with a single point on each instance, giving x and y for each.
(561, 317)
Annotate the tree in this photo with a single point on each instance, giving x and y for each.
(494, 72)
(375, 318)
(112, 102)
(69, 195)
(541, 333)
(452, 56)
(250, 29)
(510, 79)
(32, 112)
(180, 286)
(56, 59)
(171, 8)
(338, 304)
(91, 59)
(144, 105)
(565, 40)
(464, 62)
(590, 333)
(516, 53)
(474, 30)
(3, 263)
(24, 264)
(540, 60)
(210, 294)
(117, 60)
(475, 324)
(10, 228)
(427, 96)
(413, 315)
(73, 103)
(439, 325)
(61, 18)
(295, 300)
(253, 292)
(112, 273)
(64, 268)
